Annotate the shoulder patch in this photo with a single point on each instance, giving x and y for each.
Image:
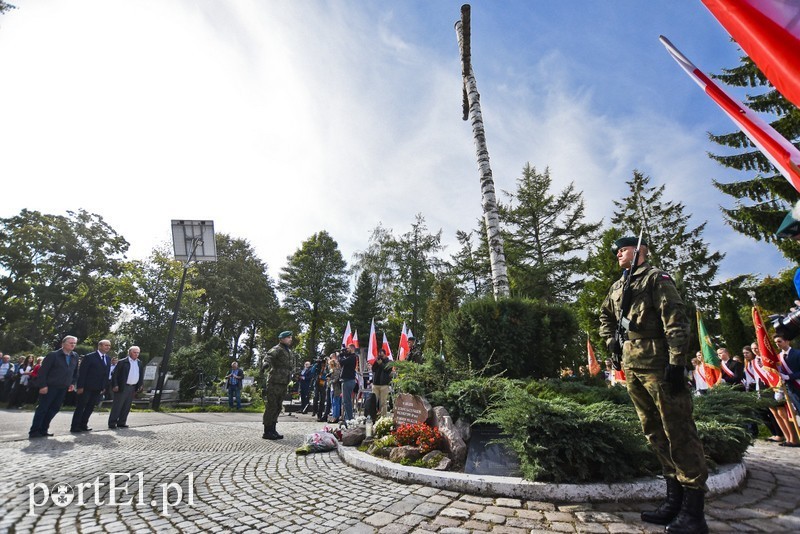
(665, 276)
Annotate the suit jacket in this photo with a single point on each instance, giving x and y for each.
(738, 372)
(93, 372)
(56, 372)
(120, 376)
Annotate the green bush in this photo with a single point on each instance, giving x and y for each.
(522, 337)
(470, 398)
(578, 391)
(723, 443)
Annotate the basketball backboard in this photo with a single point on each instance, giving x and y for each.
(198, 234)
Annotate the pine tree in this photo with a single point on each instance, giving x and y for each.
(364, 306)
(444, 300)
(674, 247)
(545, 235)
(734, 332)
(470, 264)
(764, 195)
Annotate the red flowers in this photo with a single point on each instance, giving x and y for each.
(419, 435)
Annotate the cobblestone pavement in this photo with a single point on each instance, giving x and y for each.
(233, 481)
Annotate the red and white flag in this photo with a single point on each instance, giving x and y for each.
(355, 338)
(402, 351)
(386, 347)
(372, 351)
(347, 338)
(594, 367)
(769, 357)
(769, 32)
(780, 152)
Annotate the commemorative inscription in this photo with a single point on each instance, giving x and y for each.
(410, 409)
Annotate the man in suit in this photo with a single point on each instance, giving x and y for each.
(126, 381)
(92, 382)
(58, 373)
(732, 371)
(234, 385)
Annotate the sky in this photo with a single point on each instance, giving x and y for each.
(279, 119)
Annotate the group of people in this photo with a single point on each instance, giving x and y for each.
(18, 380)
(95, 376)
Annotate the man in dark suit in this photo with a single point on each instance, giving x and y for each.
(92, 382)
(732, 371)
(58, 373)
(126, 381)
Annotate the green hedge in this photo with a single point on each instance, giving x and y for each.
(522, 337)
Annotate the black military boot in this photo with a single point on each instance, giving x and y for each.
(270, 433)
(275, 431)
(667, 510)
(691, 519)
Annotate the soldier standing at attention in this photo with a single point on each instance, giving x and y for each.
(654, 357)
(277, 368)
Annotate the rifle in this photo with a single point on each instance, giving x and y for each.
(623, 323)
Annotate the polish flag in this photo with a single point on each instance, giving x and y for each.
(780, 152)
(402, 351)
(769, 358)
(594, 367)
(372, 351)
(347, 338)
(355, 338)
(386, 347)
(769, 32)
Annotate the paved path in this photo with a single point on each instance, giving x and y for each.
(241, 483)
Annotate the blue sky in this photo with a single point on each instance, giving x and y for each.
(271, 118)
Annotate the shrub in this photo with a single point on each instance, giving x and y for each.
(578, 391)
(383, 426)
(520, 336)
(419, 435)
(386, 441)
(723, 443)
(470, 398)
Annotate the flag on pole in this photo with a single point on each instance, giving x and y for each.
(780, 152)
(711, 362)
(770, 363)
(594, 367)
(355, 338)
(386, 347)
(347, 338)
(372, 350)
(769, 32)
(402, 350)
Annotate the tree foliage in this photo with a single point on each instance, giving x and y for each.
(734, 332)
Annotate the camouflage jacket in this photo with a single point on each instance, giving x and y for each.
(659, 332)
(277, 365)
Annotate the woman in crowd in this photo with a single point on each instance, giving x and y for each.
(335, 382)
(19, 393)
(32, 381)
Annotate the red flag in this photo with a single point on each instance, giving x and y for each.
(347, 338)
(355, 338)
(372, 351)
(780, 152)
(386, 347)
(619, 376)
(594, 367)
(402, 351)
(769, 358)
(769, 32)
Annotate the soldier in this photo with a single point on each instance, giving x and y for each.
(278, 368)
(414, 351)
(654, 358)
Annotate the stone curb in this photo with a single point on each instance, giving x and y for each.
(728, 478)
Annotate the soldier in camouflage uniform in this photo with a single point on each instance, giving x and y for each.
(654, 358)
(277, 368)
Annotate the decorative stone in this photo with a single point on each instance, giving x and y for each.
(375, 450)
(433, 456)
(464, 428)
(405, 452)
(411, 409)
(352, 437)
(444, 464)
(452, 436)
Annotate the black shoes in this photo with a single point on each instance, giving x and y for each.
(82, 429)
(35, 435)
(122, 426)
(669, 509)
(691, 519)
(271, 433)
(112, 427)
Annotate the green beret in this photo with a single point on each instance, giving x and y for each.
(790, 227)
(287, 333)
(627, 241)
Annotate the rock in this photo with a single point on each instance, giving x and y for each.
(433, 457)
(411, 409)
(406, 451)
(444, 464)
(352, 437)
(452, 436)
(464, 428)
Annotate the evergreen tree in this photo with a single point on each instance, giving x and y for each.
(364, 305)
(444, 300)
(377, 262)
(314, 282)
(734, 332)
(545, 235)
(470, 265)
(674, 247)
(764, 195)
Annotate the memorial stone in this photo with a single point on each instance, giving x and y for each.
(411, 409)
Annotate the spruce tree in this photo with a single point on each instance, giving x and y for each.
(763, 196)
(470, 264)
(674, 246)
(735, 334)
(364, 305)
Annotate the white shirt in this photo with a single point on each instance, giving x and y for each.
(133, 374)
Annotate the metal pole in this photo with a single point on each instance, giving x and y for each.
(164, 367)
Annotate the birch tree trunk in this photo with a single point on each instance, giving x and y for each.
(472, 110)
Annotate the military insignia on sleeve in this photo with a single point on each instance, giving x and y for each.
(665, 276)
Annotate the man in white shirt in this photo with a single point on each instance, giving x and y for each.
(126, 381)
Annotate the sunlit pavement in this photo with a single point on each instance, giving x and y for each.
(212, 472)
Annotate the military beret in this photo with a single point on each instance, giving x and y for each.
(412, 337)
(790, 227)
(627, 241)
(287, 333)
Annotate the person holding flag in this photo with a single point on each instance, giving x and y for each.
(347, 361)
(655, 353)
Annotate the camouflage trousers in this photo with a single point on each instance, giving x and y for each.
(273, 403)
(668, 425)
